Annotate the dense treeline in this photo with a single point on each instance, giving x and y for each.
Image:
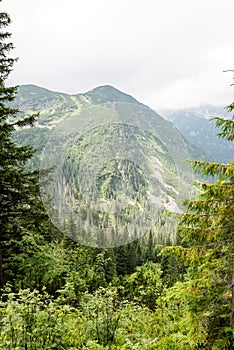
(58, 294)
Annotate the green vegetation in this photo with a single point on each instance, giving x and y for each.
(123, 179)
(164, 290)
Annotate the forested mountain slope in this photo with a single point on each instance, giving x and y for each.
(116, 169)
(119, 164)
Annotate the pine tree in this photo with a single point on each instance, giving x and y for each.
(208, 250)
(18, 187)
(150, 247)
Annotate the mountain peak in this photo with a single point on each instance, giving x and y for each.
(108, 93)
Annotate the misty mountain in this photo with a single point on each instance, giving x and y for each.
(197, 127)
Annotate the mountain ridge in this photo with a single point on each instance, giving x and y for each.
(55, 107)
(119, 164)
(198, 128)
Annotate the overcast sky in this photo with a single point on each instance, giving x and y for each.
(167, 53)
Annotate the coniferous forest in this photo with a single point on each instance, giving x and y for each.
(172, 288)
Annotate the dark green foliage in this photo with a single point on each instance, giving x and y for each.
(136, 296)
(207, 250)
(144, 285)
(18, 187)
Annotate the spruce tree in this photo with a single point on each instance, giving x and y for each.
(208, 250)
(18, 187)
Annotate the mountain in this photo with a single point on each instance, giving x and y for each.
(107, 93)
(118, 165)
(196, 126)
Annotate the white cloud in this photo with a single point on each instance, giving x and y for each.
(165, 53)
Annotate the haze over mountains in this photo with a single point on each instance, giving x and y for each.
(197, 126)
(119, 164)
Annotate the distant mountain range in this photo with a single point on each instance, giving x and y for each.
(118, 164)
(196, 125)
